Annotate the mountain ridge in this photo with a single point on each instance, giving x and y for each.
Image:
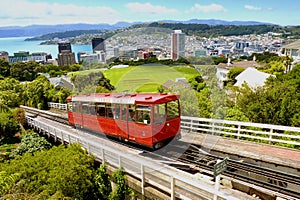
(37, 30)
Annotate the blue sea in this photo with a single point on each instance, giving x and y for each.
(16, 44)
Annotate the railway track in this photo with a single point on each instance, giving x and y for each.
(272, 180)
(277, 181)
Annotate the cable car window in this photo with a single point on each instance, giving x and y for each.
(173, 109)
(143, 114)
(131, 110)
(70, 107)
(76, 107)
(117, 108)
(123, 112)
(85, 108)
(92, 109)
(109, 110)
(100, 109)
(160, 113)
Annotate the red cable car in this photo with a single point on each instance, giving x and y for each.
(150, 119)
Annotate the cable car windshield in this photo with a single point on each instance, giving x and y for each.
(166, 111)
(143, 113)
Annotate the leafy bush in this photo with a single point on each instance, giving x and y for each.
(31, 143)
(59, 172)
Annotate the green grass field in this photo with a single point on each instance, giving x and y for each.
(146, 78)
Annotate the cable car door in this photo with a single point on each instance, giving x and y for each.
(123, 122)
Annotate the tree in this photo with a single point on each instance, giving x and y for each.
(274, 67)
(4, 67)
(197, 83)
(121, 188)
(91, 81)
(36, 93)
(59, 96)
(10, 90)
(234, 72)
(61, 172)
(102, 181)
(19, 116)
(8, 125)
(24, 71)
(276, 103)
(7, 182)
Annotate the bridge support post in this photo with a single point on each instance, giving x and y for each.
(172, 188)
(217, 186)
(270, 136)
(120, 161)
(103, 156)
(55, 135)
(62, 137)
(69, 139)
(143, 179)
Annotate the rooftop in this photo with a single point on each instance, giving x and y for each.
(243, 64)
(293, 45)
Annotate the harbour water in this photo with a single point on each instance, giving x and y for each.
(16, 44)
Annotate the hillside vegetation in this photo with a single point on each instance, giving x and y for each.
(201, 30)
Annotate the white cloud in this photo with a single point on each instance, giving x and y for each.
(249, 7)
(207, 8)
(149, 9)
(23, 12)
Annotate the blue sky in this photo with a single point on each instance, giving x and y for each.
(28, 12)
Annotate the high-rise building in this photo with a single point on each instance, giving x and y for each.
(66, 59)
(65, 55)
(98, 44)
(64, 47)
(177, 45)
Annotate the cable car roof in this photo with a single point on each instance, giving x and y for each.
(151, 98)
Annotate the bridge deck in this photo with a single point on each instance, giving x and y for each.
(276, 155)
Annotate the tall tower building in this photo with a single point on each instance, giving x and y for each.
(177, 45)
(64, 47)
(98, 44)
(65, 55)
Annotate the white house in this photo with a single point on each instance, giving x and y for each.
(252, 77)
(223, 69)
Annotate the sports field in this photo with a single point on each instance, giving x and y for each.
(146, 78)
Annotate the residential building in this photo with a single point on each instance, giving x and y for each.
(223, 69)
(128, 54)
(292, 50)
(252, 77)
(62, 82)
(98, 44)
(4, 54)
(177, 44)
(97, 57)
(21, 56)
(40, 57)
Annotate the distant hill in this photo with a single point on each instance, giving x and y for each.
(217, 22)
(38, 30)
(205, 30)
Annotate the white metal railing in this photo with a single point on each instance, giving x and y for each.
(60, 106)
(244, 130)
(240, 130)
(147, 171)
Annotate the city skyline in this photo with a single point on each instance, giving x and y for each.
(50, 12)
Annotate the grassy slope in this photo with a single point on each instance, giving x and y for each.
(146, 78)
